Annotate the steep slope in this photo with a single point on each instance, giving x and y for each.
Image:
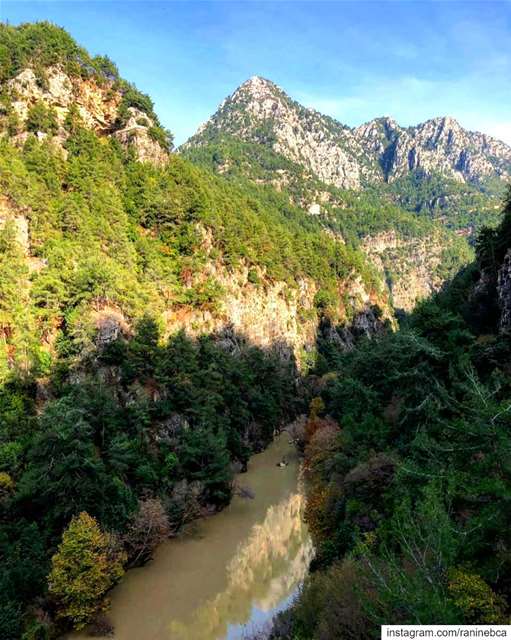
(438, 145)
(47, 80)
(155, 320)
(259, 111)
(166, 237)
(436, 172)
(381, 150)
(407, 453)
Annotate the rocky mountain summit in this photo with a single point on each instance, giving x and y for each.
(351, 158)
(50, 87)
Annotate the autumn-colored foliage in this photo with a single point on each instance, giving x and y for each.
(478, 602)
(322, 442)
(85, 566)
(316, 511)
(148, 528)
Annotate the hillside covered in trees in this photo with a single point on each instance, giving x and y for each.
(161, 319)
(128, 394)
(412, 198)
(407, 453)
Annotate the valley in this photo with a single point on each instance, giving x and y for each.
(166, 314)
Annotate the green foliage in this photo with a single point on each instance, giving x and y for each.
(414, 490)
(113, 232)
(204, 456)
(100, 412)
(355, 216)
(459, 206)
(24, 569)
(43, 44)
(41, 118)
(479, 604)
(83, 569)
(162, 136)
(64, 473)
(178, 414)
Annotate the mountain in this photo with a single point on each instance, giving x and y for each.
(156, 325)
(410, 223)
(353, 158)
(199, 251)
(435, 169)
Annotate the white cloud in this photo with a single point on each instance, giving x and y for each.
(498, 129)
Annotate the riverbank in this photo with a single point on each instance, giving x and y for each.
(228, 573)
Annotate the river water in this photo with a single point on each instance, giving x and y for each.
(232, 572)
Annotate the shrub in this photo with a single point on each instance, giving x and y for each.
(148, 528)
(41, 118)
(475, 598)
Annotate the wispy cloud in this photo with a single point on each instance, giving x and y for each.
(500, 129)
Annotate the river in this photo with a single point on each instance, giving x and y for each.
(232, 572)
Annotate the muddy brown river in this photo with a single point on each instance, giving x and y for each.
(232, 573)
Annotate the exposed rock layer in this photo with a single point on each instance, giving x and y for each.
(97, 104)
(380, 150)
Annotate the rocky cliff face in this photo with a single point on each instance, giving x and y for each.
(504, 292)
(375, 152)
(259, 111)
(272, 315)
(437, 145)
(98, 106)
(321, 154)
(408, 265)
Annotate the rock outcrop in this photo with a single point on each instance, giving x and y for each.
(439, 145)
(98, 106)
(378, 151)
(273, 315)
(408, 265)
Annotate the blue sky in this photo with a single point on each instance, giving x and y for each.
(352, 60)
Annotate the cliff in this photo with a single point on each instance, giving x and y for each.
(102, 225)
(97, 105)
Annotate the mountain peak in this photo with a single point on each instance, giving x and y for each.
(257, 81)
(445, 122)
(259, 111)
(257, 87)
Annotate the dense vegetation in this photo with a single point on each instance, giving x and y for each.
(353, 214)
(114, 434)
(462, 207)
(107, 231)
(407, 451)
(140, 421)
(42, 45)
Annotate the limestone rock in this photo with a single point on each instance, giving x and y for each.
(97, 104)
(413, 263)
(380, 150)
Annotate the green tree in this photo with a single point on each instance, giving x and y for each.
(204, 457)
(41, 118)
(84, 568)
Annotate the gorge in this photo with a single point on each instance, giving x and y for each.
(165, 314)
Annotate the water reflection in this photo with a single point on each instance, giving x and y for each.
(238, 568)
(266, 569)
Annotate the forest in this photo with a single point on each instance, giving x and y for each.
(407, 454)
(116, 432)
